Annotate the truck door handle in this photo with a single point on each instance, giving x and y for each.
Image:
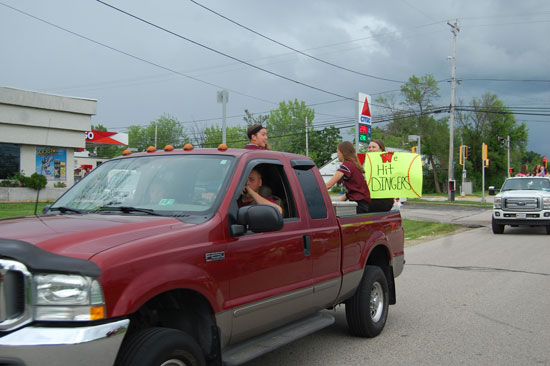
(307, 245)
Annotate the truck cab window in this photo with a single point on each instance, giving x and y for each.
(275, 185)
(314, 197)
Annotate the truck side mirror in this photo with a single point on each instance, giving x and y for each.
(45, 209)
(260, 218)
(491, 190)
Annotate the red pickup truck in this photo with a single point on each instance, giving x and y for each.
(149, 260)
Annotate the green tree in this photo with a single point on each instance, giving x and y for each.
(169, 132)
(485, 120)
(251, 119)
(286, 126)
(235, 136)
(323, 143)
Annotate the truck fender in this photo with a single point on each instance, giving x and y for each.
(157, 280)
(373, 257)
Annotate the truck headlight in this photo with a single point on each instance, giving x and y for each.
(497, 203)
(546, 203)
(64, 297)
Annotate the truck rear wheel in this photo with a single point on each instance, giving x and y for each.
(497, 228)
(160, 347)
(367, 310)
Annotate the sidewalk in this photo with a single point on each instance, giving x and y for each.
(488, 198)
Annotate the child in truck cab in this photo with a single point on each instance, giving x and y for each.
(351, 173)
(251, 195)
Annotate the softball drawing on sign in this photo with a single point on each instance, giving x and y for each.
(393, 174)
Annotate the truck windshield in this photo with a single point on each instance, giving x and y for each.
(166, 185)
(537, 184)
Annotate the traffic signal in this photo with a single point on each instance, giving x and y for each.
(413, 149)
(466, 151)
(463, 154)
(511, 170)
(545, 162)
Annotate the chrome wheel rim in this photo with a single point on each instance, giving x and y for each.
(173, 362)
(376, 302)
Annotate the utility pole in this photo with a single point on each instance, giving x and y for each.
(484, 164)
(223, 98)
(307, 143)
(454, 30)
(156, 125)
(508, 147)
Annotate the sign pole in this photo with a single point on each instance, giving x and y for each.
(483, 158)
(357, 119)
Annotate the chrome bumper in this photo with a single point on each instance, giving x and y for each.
(95, 345)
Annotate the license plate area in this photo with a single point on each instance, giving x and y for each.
(521, 216)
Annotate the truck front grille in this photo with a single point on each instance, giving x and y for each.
(15, 289)
(521, 204)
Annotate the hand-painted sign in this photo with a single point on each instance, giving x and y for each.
(393, 174)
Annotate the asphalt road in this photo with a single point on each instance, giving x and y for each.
(462, 215)
(472, 298)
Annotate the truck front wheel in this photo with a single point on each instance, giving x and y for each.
(497, 228)
(160, 347)
(367, 310)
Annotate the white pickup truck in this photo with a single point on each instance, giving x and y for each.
(522, 201)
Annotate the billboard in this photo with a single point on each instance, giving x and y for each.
(51, 162)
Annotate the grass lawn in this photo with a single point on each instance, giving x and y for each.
(16, 209)
(457, 202)
(423, 229)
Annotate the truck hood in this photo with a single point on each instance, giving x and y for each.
(524, 193)
(83, 236)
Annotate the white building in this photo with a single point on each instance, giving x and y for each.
(40, 132)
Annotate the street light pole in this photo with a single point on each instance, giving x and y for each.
(454, 30)
(223, 98)
(307, 141)
(508, 147)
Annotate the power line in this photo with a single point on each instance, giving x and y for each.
(135, 57)
(222, 53)
(510, 80)
(292, 48)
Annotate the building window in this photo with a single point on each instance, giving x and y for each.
(10, 157)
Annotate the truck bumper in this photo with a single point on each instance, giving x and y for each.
(538, 218)
(93, 345)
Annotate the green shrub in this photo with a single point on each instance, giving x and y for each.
(60, 185)
(9, 183)
(35, 181)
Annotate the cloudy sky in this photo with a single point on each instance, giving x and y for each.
(174, 55)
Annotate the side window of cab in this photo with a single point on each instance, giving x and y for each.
(275, 185)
